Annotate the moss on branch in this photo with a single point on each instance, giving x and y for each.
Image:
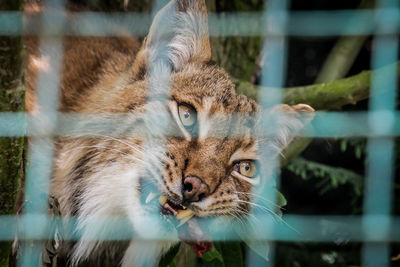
(323, 96)
(331, 95)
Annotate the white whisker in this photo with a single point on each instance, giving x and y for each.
(262, 198)
(263, 208)
(122, 142)
(275, 217)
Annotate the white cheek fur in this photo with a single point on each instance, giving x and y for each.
(122, 198)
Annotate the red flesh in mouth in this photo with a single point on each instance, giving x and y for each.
(194, 236)
(190, 233)
(201, 247)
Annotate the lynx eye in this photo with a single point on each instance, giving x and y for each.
(246, 168)
(187, 115)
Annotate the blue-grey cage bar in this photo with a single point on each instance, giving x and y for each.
(376, 228)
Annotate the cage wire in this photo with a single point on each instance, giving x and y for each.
(376, 228)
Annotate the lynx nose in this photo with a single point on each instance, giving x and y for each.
(194, 189)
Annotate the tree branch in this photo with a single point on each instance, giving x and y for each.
(323, 96)
(331, 95)
(343, 54)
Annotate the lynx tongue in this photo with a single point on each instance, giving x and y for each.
(190, 232)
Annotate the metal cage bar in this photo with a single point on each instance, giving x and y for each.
(379, 181)
(380, 124)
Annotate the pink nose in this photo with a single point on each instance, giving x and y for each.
(194, 189)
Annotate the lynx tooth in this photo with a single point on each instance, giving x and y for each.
(150, 197)
(183, 214)
(162, 200)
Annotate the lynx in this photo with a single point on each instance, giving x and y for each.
(207, 168)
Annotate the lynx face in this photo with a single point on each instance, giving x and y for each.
(211, 169)
(214, 166)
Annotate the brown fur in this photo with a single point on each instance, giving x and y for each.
(110, 76)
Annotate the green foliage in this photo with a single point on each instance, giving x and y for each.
(331, 177)
(358, 145)
(213, 255)
(231, 253)
(280, 202)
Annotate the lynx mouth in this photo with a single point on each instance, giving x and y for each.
(188, 225)
(191, 233)
(181, 213)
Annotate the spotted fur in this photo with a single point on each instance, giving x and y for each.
(97, 176)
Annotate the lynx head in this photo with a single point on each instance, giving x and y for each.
(209, 165)
(212, 166)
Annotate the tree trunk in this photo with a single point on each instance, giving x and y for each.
(11, 100)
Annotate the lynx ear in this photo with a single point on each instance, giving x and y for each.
(179, 34)
(288, 121)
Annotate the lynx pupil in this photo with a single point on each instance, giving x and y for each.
(248, 168)
(187, 116)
